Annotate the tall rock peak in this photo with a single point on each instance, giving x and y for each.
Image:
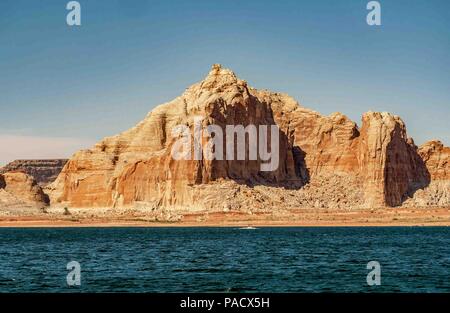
(324, 161)
(220, 79)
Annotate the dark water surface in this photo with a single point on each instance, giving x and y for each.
(413, 259)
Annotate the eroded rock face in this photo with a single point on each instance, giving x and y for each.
(437, 161)
(136, 166)
(19, 190)
(377, 165)
(389, 163)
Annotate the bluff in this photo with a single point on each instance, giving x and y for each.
(323, 161)
(437, 160)
(19, 190)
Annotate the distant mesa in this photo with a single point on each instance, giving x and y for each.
(44, 171)
(324, 161)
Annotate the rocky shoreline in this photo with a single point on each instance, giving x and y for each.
(290, 218)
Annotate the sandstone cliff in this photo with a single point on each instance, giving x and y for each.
(437, 160)
(324, 161)
(18, 190)
(43, 171)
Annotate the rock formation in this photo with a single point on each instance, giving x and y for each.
(324, 161)
(437, 160)
(389, 163)
(43, 171)
(18, 190)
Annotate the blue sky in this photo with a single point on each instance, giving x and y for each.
(68, 87)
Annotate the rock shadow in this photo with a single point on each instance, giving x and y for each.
(292, 172)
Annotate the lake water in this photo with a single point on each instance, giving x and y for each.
(412, 259)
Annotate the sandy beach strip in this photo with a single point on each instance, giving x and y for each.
(293, 218)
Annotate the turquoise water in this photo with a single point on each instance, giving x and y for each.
(413, 259)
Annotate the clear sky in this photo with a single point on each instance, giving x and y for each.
(63, 88)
